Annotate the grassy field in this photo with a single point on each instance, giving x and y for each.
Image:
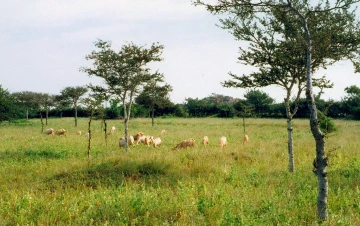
(48, 180)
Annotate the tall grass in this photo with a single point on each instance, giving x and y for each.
(47, 180)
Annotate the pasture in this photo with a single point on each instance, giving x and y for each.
(48, 180)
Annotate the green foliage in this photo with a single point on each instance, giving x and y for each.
(326, 123)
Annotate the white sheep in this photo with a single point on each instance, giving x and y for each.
(122, 141)
(205, 140)
(222, 142)
(147, 140)
(61, 132)
(50, 131)
(246, 138)
(156, 142)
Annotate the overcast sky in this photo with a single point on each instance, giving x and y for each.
(44, 43)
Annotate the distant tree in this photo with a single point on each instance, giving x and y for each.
(259, 100)
(7, 105)
(72, 95)
(352, 101)
(27, 100)
(154, 96)
(125, 73)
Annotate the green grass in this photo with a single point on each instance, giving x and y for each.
(48, 180)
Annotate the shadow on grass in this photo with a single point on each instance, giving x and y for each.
(114, 174)
(33, 155)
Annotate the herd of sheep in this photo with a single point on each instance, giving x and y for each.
(148, 140)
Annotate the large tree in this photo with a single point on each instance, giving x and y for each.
(154, 96)
(330, 32)
(280, 62)
(73, 96)
(125, 72)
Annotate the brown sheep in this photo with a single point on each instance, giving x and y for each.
(137, 137)
(61, 132)
(78, 132)
(185, 143)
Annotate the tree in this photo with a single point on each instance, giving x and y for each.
(7, 105)
(93, 103)
(352, 101)
(154, 96)
(281, 62)
(260, 101)
(125, 73)
(27, 100)
(329, 32)
(72, 95)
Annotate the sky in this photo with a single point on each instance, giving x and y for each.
(44, 43)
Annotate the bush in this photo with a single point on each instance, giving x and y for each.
(327, 124)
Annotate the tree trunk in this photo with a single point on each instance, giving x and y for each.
(27, 113)
(89, 131)
(320, 161)
(42, 123)
(290, 136)
(47, 116)
(75, 108)
(152, 116)
(125, 126)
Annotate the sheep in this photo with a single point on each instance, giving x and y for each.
(205, 140)
(246, 138)
(185, 143)
(163, 132)
(137, 137)
(61, 132)
(222, 142)
(122, 141)
(86, 134)
(147, 140)
(78, 132)
(156, 142)
(111, 131)
(50, 131)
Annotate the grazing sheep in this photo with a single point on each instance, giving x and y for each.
(50, 131)
(163, 132)
(205, 140)
(78, 132)
(156, 142)
(147, 140)
(61, 132)
(246, 138)
(137, 137)
(122, 141)
(111, 131)
(86, 135)
(185, 143)
(222, 142)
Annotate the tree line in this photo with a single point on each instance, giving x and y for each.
(255, 103)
